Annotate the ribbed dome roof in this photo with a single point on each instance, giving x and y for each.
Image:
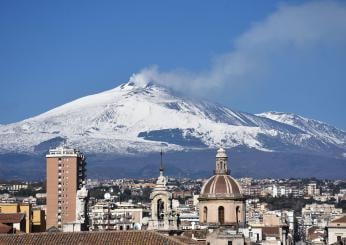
(221, 186)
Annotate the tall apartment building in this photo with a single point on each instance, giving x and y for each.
(66, 194)
(312, 189)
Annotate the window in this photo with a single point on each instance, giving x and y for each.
(205, 214)
(221, 213)
(229, 243)
(160, 209)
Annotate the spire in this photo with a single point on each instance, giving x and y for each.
(161, 181)
(161, 163)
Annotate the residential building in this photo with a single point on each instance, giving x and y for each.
(66, 194)
(25, 211)
(108, 215)
(337, 231)
(312, 190)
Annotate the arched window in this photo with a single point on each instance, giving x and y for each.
(160, 209)
(221, 215)
(236, 214)
(205, 214)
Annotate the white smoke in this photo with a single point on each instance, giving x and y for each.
(291, 27)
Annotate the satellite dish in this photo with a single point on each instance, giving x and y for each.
(107, 196)
(145, 221)
(137, 226)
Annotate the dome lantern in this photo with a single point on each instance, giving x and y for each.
(221, 162)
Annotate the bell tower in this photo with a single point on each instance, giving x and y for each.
(162, 215)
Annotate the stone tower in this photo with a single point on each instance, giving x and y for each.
(162, 215)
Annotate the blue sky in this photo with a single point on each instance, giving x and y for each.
(253, 56)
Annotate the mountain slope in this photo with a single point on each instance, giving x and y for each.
(135, 118)
(316, 128)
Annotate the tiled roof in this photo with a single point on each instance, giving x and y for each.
(315, 233)
(92, 238)
(185, 240)
(197, 234)
(339, 220)
(6, 218)
(312, 230)
(271, 231)
(5, 228)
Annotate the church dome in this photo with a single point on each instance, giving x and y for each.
(221, 186)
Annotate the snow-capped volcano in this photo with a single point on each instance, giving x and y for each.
(144, 117)
(316, 128)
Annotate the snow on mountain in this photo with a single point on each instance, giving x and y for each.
(316, 128)
(145, 117)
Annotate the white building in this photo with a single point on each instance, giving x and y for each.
(107, 215)
(81, 222)
(275, 191)
(337, 231)
(312, 190)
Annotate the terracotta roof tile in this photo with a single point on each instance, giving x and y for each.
(316, 235)
(312, 230)
(198, 234)
(271, 231)
(11, 217)
(92, 238)
(185, 240)
(339, 220)
(5, 228)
